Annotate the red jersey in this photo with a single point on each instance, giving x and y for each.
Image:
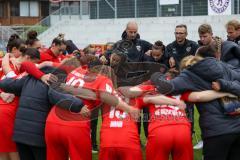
(32, 69)
(48, 55)
(1, 70)
(165, 114)
(118, 128)
(7, 118)
(18, 75)
(15, 70)
(76, 79)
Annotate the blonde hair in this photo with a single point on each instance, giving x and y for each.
(61, 36)
(189, 61)
(218, 45)
(234, 23)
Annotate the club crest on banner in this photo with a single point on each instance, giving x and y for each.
(219, 6)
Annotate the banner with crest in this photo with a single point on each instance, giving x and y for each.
(219, 7)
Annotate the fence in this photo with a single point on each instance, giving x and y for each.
(105, 9)
(110, 9)
(5, 33)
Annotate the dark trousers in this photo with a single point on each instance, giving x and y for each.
(94, 122)
(145, 119)
(190, 115)
(225, 147)
(27, 152)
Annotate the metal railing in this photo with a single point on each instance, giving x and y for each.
(45, 23)
(123, 9)
(107, 9)
(151, 8)
(63, 13)
(5, 33)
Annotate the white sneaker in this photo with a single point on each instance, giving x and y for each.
(199, 145)
(95, 149)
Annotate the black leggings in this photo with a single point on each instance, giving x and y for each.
(190, 115)
(27, 152)
(145, 120)
(94, 122)
(225, 147)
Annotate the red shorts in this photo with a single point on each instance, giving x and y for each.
(67, 141)
(170, 139)
(7, 118)
(118, 153)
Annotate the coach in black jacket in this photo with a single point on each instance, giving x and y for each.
(220, 132)
(181, 47)
(139, 47)
(34, 106)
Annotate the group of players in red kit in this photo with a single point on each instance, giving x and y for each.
(119, 138)
(169, 127)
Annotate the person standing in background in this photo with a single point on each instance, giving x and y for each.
(181, 47)
(233, 31)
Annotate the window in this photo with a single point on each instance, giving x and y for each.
(14, 8)
(75, 8)
(34, 11)
(29, 9)
(236, 7)
(70, 8)
(1, 9)
(54, 7)
(24, 9)
(85, 8)
(44, 8)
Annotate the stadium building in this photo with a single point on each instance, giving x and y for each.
(51, 17)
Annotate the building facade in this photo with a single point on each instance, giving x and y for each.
(107, 9)
(27, 12)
